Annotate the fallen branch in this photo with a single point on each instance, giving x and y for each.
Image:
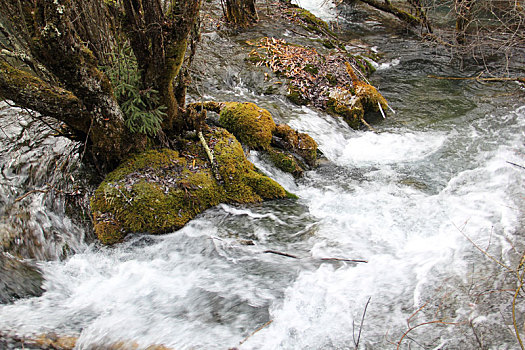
(360, 326)
(479, 79)
(402, 15)
(519, 166)
(280, 253)
(255, 331)
(322, 259)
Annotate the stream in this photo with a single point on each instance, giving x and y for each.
(414, 200)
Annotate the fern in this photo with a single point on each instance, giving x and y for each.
(141, 108)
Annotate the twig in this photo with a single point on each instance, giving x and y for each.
(280, 253)
(205, 146)
(519, 166)
(381, 109)
(255, 331)
(479, 79)
(322, 259)
(22, 197)
(368, 125)
(514, 322)
(361, 325)
(482, 250)
(346, 260)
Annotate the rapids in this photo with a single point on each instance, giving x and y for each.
(412, 200)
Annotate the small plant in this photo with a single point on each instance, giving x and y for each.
(140, 107)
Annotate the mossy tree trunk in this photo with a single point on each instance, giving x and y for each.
(241, 13)
(159, 38)
(50, 57)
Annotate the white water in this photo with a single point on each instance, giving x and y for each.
(397, 199)
(405, 200)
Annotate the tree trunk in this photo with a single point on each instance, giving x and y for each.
(241, 13)
(160, 49)
(389, 8)
(63, 42)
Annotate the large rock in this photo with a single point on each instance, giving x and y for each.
(161, 190)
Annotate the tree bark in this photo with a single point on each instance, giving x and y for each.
(159, 41)
(241, 13)
(69, 39)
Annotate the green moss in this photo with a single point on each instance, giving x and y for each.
(295, 96)
(160, 191)
(311, 22)
(252, 125)
(265, 187)
(299, 143)
(310, 68)
(238, 174)
(285, 162)
(351, 113)
(329, 44)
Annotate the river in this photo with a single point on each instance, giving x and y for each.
(411, 202)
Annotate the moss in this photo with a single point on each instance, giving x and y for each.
(342, 103)
(310, 68)
(299, 143)
(265, 187)
(238, 174)
(329, 44)
(285, 162)
(311, 22)
(295, 96)
(152, 192)
(252, 125)
(160, 191)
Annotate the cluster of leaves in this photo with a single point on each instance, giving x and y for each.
(141, 108)
(312, 75)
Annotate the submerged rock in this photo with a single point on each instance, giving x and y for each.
(18, 280)
(161, 190)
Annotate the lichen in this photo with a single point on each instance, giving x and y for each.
(159, 191)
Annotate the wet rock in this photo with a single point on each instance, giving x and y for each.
(18, 280)
(288, 149)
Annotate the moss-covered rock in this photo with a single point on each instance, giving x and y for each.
(286, 162)
(341, 102)
(252, 125)
(160, 191)
(354, 105)
(298, 143)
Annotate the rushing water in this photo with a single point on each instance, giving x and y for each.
(411, 200)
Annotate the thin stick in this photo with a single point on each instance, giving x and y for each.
(346, 260)
(255, 331)
(514, 322)
(280, 253)
(381, 109)
(206, 148)
(478, 78)
(361, 325)
(519, 166)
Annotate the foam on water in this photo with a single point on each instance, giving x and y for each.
(324, 9)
